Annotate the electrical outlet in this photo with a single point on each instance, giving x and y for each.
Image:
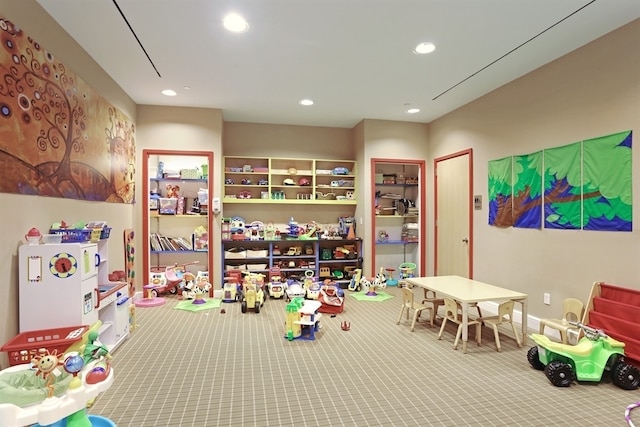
(547, 298)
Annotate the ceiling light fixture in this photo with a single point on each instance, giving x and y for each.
(413, 110)
(169, 92)
(424, 47)
(306, 102)
(235, 23)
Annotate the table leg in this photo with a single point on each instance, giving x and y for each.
(525, 321)
(465, 326)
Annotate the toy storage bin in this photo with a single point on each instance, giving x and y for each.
(26, 345)
(235, 253)
(256, 267)
(71, 235)
(257, 253)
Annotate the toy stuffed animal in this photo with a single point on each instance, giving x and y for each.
(173, 191)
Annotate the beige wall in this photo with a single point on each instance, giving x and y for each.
(391, 140)
(591, 92)
(179, 128)
(20, 213)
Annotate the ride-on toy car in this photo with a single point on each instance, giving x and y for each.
(253, 295)
(595, 353)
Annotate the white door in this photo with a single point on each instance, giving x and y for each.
(453, 215)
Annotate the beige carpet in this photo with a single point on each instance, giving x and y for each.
(182, 368)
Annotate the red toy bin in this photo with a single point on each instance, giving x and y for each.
(26, 345)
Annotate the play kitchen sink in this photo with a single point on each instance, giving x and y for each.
(110, 292)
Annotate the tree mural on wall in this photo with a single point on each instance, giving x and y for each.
(58, 137)
(501, 192)
(527, 190)
(587, 185)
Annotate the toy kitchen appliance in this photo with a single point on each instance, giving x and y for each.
(58, 285)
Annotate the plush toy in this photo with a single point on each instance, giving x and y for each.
(173, 191)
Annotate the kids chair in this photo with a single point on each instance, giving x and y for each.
(572, 311)
(409, 304)
(431, 298)
(452, 314)
(505, 315)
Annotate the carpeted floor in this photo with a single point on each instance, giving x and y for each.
(204, 368)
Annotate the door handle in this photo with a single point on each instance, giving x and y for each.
(465, 240)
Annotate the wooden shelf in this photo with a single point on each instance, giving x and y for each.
(318, 174)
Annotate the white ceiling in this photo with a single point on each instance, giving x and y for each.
(352, 57)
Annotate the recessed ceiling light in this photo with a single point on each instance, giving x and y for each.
(413, 110)
(169, 92)
(187, 88)
(306, 102)
(424, 47)
(236, 23)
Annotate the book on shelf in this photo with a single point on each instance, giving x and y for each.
(160, 242)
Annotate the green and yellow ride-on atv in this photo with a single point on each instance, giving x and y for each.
(594, 354)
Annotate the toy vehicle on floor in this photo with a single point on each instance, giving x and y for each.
(595, 353)
(275, 287)
(311, 285)
(232, 286)
(294, 289)
(161, 285)
(253, 297)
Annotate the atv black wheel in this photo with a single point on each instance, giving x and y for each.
(625, 376)
(533, 357)
(243, 306)
(559, 373)
(256, 308)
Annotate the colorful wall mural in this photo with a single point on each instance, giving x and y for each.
(58, 137)
(586, 185)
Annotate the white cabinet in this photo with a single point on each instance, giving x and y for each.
(58, 285)
(64, 285)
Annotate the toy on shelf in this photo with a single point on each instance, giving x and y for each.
(595, 353)
(302, 320)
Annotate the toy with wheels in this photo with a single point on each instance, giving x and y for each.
(175, 276)
(595, 353)
(252, 297)
(331, 298)
(407, 270)
(294, 289)
(232, 287)
(354, 284)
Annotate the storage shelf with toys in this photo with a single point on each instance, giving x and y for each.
(296, 257)
(397, 223)
(289, 181)
(176, 215)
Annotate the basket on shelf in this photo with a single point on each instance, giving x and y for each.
(70, 235)
(26, 345)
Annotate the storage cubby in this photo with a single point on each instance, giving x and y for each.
(181, 232)
(295, 257)
(289, 180)
(398, 213)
